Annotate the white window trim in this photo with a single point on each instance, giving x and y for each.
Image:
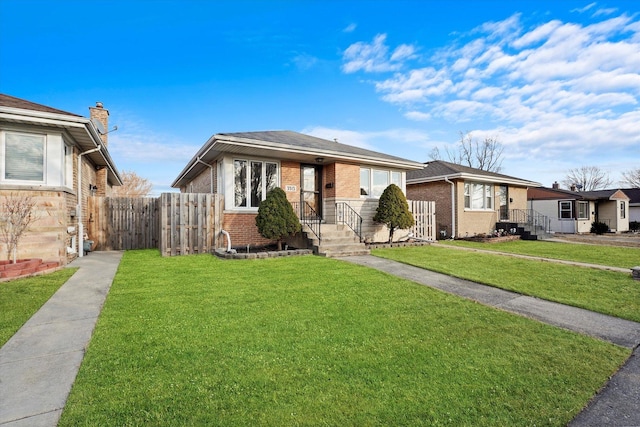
(487, 194)
(389, 173)
(3, 139)
(571, 216)
(228, 174)
(587, 212)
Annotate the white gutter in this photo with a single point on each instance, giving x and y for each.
(79, 205)
(453, 207)
(198, 160)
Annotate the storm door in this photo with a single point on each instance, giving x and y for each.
(311, 187)
(504, 203)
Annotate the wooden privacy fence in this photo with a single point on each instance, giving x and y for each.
(122, 223)
(424, 214)
(189, 223)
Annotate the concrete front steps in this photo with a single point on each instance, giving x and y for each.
(336, 240)
(525, 231)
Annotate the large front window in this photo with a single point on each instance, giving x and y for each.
(374, 181)
(24, 157)
(478, 196)
(252, 181)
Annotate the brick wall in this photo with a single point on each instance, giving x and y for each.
(440, 192)
(47, 236)
(290, 175)
(347, 180)
(203, 182)
(242, 229)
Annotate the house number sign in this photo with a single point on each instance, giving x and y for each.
(290, 188)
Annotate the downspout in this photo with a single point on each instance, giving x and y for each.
(453, 207)
(79, 205)
(210, 173)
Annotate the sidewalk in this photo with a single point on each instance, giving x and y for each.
(39, 363)
(618, 404)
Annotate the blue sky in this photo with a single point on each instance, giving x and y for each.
(556, 82)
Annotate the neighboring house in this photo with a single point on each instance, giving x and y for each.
(574, 212)
(320, 173)
(59, 159)
(634, 203)
(469, 201)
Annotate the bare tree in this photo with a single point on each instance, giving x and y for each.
(484, 155)
(587, 178)
(631, 178)
(133, 185)
(16, 214)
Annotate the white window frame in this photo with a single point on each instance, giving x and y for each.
(3, 168)
(623, 210)
(583, 206)
(562, 209)
(486, 200)
(368, 189)
(247, 188)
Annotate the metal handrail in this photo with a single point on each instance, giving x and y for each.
(345, 214)
(309, 217)
(530, 217)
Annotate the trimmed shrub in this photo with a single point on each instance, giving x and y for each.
(599, 227)
(276, 218)
(393, 210)
(634, 226)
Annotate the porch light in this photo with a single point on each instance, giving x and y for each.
(319, 159)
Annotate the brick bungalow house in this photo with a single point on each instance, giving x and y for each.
(328, 177)
(59, 159)
(469, 201)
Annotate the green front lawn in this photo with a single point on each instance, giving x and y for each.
(21, 298)
(615, 256)
(195, 340)
(607, 292)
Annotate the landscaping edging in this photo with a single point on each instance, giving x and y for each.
(491, 239)
(396, 245)
(221, 253)
(25, 268)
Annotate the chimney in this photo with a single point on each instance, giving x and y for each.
(555, 185)
(100, 114)
(573, 187)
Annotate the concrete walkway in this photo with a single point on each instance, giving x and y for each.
(39, 363)
(618, 404)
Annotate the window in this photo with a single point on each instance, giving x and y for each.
(365, 182)
(68, 166)
(565, 210)
(583, 210)
(623, 211)
(263, 177)
(24, 157)
(374, 181)
(478, 196)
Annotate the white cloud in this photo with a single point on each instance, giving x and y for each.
(350, 28)
(554, 88)
(374, 56)
(584, 9)
(372, 140)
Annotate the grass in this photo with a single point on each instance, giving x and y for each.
(195, 340)
(608, 292)
(21, 298)
(615, 256)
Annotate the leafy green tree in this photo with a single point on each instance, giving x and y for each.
(276, 218)
(393, 210)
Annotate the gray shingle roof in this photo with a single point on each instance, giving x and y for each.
(440, 168)
(295, 139)
(13, 102)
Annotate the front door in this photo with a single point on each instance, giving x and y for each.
(311, 187)
(504, 203)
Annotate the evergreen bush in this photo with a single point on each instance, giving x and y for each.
(599, 227)
(393, 210)
(276, 218)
